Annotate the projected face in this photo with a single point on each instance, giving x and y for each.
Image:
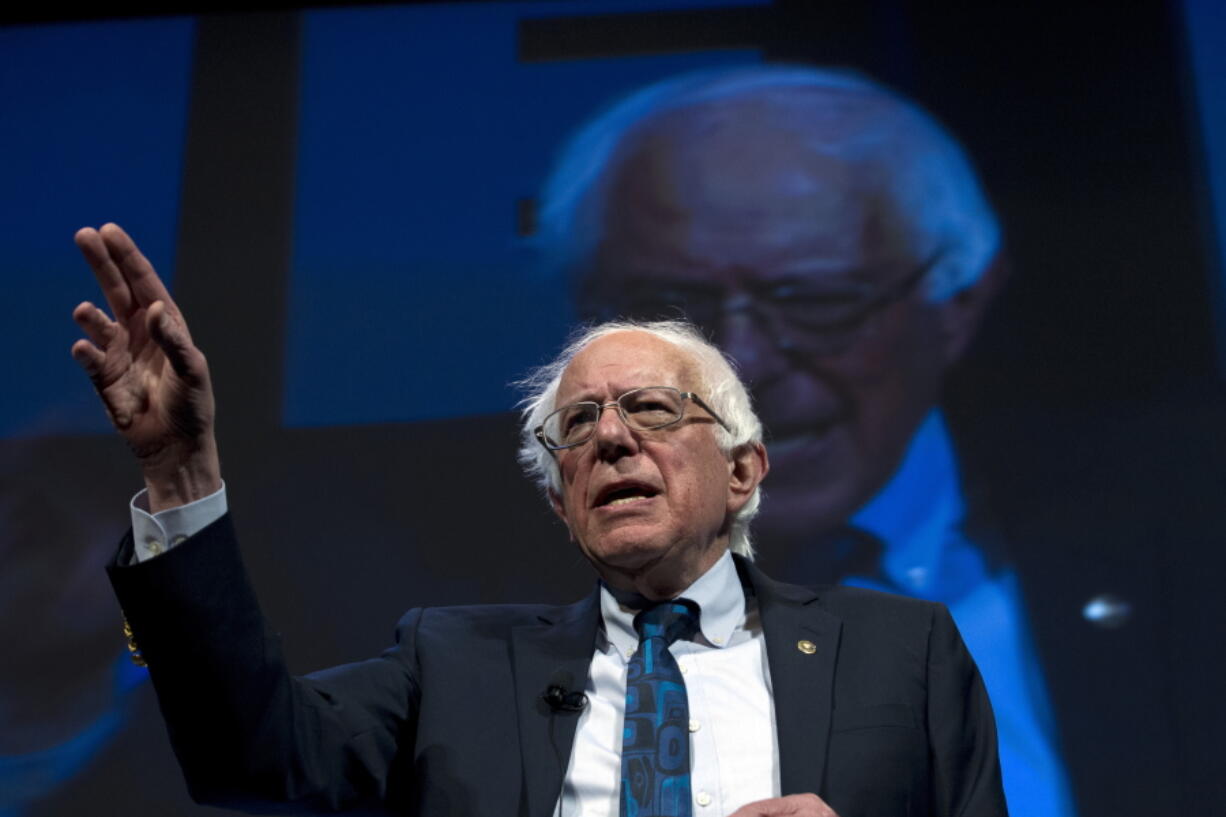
(57, 613)
(794, 262)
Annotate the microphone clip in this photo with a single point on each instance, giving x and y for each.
(560, 699)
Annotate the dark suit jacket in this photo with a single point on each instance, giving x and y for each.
(887, 716)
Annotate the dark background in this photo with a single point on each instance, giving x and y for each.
(343, 202)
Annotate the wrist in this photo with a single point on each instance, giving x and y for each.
(184, 478)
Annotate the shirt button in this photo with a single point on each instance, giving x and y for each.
(703, 799)
(695, 725)
(717, 640)
(684, 668)
(178, 540)
(155, 547)
(629, 654)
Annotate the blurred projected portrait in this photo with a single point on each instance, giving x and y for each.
(834, 240)
(65, 684)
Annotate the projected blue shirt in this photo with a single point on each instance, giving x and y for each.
(918, 518)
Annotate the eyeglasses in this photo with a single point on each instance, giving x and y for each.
(643, 409)
(799, 316)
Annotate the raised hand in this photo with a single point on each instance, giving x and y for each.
(153, 381)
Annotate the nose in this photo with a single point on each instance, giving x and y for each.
(747, 339)
(613, 438)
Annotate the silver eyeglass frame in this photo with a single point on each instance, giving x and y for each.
(539, 431)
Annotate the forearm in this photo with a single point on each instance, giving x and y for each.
(246, 733)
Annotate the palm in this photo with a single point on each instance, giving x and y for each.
(138, 383)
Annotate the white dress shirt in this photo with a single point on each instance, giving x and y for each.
(734, 751)
(734, 754)
(153, 534)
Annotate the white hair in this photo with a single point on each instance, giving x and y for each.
(931, 184)
(718, 385)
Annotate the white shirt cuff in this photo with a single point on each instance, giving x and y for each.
(157, 533)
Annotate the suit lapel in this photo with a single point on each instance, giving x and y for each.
(802, 676)
(554, 650)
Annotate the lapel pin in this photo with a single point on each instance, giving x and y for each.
(806, 646)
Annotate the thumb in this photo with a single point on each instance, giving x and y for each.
(172, 338)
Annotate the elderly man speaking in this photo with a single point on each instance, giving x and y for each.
(687, 683)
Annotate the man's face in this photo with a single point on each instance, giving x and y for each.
(745, 215)
(652, 504)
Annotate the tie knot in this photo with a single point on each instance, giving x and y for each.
(669, 620)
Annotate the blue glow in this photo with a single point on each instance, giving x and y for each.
(1206, 31)
(94, 121)
(411, 294)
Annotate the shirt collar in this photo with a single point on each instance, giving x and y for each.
(919, 510)
(718, 594)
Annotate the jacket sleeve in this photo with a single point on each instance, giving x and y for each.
(246, 733)
(965, 765)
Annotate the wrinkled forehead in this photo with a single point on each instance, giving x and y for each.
(819, 130)
(762, 181)
(614, 364)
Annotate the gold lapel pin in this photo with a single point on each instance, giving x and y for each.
(806, 646)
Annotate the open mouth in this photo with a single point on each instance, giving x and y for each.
(624, 494)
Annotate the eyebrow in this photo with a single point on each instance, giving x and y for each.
(592, 397)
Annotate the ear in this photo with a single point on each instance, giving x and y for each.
(748, 465)
(555, 502)
(961, 313)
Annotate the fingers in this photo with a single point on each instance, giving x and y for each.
(170, 334)
(89, 357)
(141, 277)
(127, 278)
(166, 329)
(101, 330)
(110, 279)
(95, 324)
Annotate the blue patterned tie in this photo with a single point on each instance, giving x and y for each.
(656, 736)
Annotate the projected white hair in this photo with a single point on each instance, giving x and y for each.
(929, 182)
(718, 384)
